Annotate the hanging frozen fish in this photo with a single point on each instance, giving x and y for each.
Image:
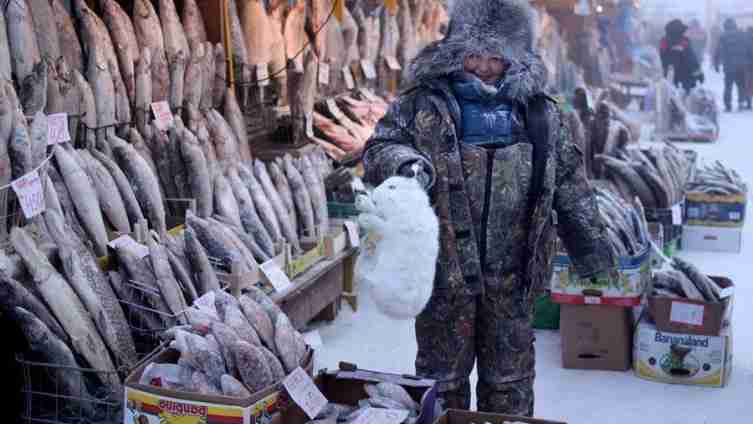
(128, 197)
(302, 87)
(177, 166)
(144, 182)
(198, 174)
(207, 87)
(7, 115)
(19, 147)
(28, 69)
(283, 217)
(54, 97)
(66, 306)
(206, 278)
(249, 218)
(278, 58)
(6, 69)
(240, 51)
(294, 31)
(193, 88)
(87, 109)
(110, 199)
(143, 91)
(69, 380)
(220, 72)
(15, 294)
(301, 197)
(70, 45)
(44, 24)
(172, 31)
(166, 281)
(193, 24)
(224, 140)
(244, 239)
(283, 188)
(237, 122)
(123, 36)
(177, 79)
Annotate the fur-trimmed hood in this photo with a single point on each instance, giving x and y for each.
(503, 28)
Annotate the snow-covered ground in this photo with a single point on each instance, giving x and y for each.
(372, 341)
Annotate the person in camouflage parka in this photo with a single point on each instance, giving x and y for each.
(497, 161)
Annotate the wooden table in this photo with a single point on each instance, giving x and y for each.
(318, 291)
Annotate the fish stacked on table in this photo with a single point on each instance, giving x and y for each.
(685, 281)
(658, 176)
(717, 179)
(626, 228)
(231, 347)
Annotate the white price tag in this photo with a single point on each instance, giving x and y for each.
(687, 313)
(334, 109)
(304, 392)
(323, 73)
(127, 242)
(352, 229)
(369, 71)
(676, 215)
(57, 128)
(592, 300)
(727, 292)
(381, 416)
(309, 126)
(163, 117)
(350, 83)
(735, 216)
(274, 274)
(313, 338)
(262, 74)
(30, 194)
(392, 63)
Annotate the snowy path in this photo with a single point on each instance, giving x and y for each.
(594, 397)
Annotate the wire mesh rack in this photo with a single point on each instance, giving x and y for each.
(58, 394)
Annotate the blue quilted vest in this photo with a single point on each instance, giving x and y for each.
(488, 118)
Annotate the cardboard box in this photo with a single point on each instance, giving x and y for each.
(146, 404)
(635, 274)
(677, 358)
(709, 210)
(596, 337)
(346, 386)
(712, 239)
(455, 416)
(337, 239)
(693, 316)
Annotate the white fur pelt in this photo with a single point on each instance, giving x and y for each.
(399, 262)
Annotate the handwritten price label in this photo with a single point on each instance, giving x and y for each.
(30, 194)
(304, 392)
(274, 274)
(127, 242)
(309, 126)
(163, 117)
(381, 416)
(350, 83)
(324, 73)
(57, 128)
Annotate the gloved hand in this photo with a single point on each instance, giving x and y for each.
(415, 169)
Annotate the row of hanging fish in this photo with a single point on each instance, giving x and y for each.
(658, 176)
(685, 281)
(232, 347)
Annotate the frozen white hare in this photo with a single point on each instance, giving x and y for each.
(399, 267)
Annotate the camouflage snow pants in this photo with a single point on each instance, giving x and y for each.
(494, 328)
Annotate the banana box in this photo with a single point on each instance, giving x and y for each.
(686, 359)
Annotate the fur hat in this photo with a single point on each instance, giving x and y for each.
(503, 28)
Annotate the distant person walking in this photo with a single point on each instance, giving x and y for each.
(698, 39)
(676, 53)
(735, 55)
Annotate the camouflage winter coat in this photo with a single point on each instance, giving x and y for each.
(421, 125)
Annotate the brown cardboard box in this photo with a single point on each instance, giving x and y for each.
(455, 416)
(596, 337)
(346, 386)
(157, 405)
(693, 316)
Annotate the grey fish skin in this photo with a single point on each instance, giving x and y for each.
(225, 203)
(263, 205)
(127, 196)
(234, 318)
(160, 146)
(193, 89)
(234, 118)
(208, 85)
(7, 116)
(226, 338)
(38, 138)
(252, 365)
(71, 97)
(286, 343)
(315, 184)
(258, 255)
(141, 274)
(149, 34)
(70, 381)
(177, 79)
(220, 72)
(659, 187)
(218, 246)
(54, 97)
(24, 48)
(123, 36)
(183, 276)
(87, 108)
(247, 257)
(6, 69)
(283, 217)
(44, 25)
(177, 166)
(233, 388)
(259, 319)
(199, 179)
(224, 140)
(283, 188)
(257, 295)
(166, 281)
(139, 318)
(160, 77)
(687, 286)
(110, 200)
(632, 179)
(70, 45)
(172, 30)
(14, 294)
(135, 138)
(301, 197)
(206, 278)
(84, 198)
(143, 91)
(66, 306)
(145, 184)
(64, 197)
(249, 218)
(19, 148)
(278, 371)
(704, 284)
(193, 24)
(102, 304)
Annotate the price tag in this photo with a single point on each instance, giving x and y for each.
(127, 242)
(334, 109)
(350, 83)
(30, 194)
(352, 230)
(323, 73)
(163, 117)
(313, 338)
(676, 215)
(687, 313)
(262, 74)
(57, 128)
(392, 63)
(727, 292)
(381, 416)
(309, 126)
(274, 274)
(304, 392)
(369, 71)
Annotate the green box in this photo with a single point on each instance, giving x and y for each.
(546, 313)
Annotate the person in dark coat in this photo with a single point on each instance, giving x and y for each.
(676, 53)
(498, 161)
(735, 55)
